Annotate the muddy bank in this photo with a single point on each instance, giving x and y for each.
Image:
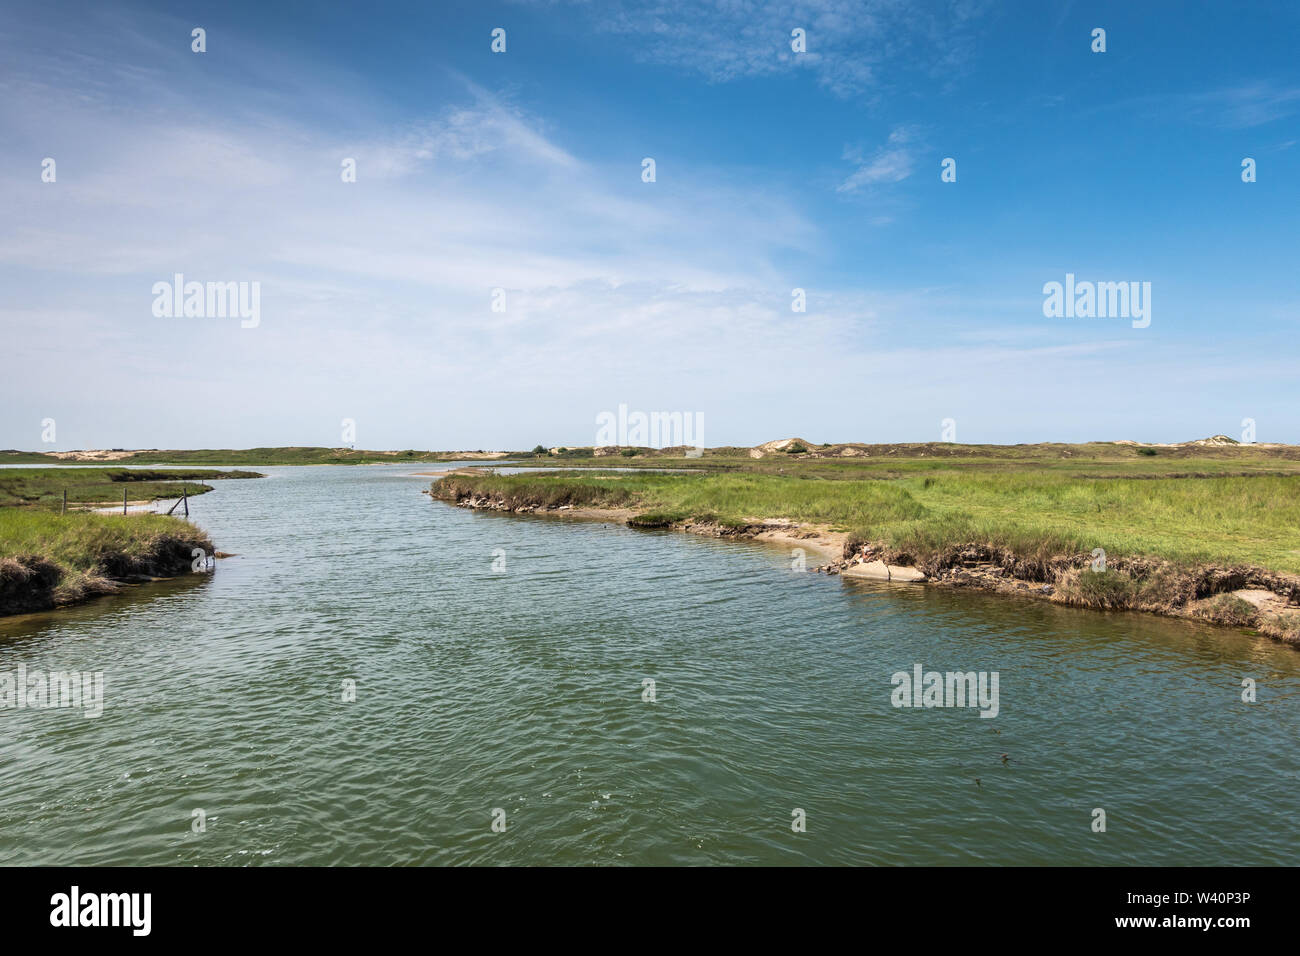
(1267, 602)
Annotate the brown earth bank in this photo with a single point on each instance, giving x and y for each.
(1243, 596)
(31, 582)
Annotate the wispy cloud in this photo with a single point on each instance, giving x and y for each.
(1243, 106)
(891, 163)
(459, 135)
(849, 43)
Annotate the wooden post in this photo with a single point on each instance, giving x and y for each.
(123, 501)
(65, 502)
(185, 498)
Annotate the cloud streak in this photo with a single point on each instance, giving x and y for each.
(892, 163)
(852, 47)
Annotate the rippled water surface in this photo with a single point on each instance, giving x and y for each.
(522, 690)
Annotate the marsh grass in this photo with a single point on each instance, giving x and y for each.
(1033, 512)
(1110, 590)
(48, 559)
(85, 540)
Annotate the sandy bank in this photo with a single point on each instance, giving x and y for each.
(822, 543)
(133, 507)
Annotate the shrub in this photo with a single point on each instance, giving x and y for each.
(654, 519)
(1110, 590)
(1230, 610)
(1287, 628)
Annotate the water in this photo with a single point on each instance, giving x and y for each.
(522, 691)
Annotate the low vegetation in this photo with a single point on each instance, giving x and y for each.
(48, 558)
(45, 487)
(1237, 519)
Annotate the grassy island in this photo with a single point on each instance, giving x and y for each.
(50, 558)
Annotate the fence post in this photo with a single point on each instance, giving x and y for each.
(185, 497)
(123, 501)
(65, 502)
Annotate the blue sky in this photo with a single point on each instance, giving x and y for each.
(522, 171)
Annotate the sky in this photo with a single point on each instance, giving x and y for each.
(501, 272)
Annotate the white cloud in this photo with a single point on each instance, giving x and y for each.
(853, 46)
(891, 163)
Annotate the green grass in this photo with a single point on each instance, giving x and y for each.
(657, 519)
(1033, 508)
(1254, 520)
(48, 559)
(44, 487)
(85, 540)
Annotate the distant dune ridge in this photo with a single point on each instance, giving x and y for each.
(801, 447)
(787, 447)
